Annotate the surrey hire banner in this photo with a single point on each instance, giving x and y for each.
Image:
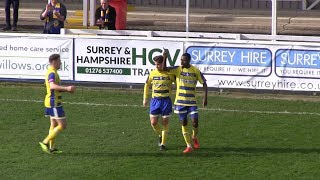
(28, 58)
(252, 66)
(129, 61)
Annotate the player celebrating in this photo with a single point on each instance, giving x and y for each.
(185, 103)
(53, 104)
(160, 103)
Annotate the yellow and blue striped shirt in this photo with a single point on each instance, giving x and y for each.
(186, 80)
(53, 97)
(161, 84)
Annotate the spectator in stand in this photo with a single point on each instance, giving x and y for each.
(15, 6)
(105, 16)
(54, 14)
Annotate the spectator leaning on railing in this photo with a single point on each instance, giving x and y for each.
(105, 16)
(54, 15)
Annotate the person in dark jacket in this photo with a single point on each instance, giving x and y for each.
(105, 16)
(54, 15)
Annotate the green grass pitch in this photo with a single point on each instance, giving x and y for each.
(109, 137)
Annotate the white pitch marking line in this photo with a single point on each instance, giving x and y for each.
(205, 109)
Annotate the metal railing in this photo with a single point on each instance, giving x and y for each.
(196, 36)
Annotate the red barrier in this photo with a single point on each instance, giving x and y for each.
(121, 10)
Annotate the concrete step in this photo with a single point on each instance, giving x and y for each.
(34, 12)
(305, 20)
(227, 30)
(303, 27)
(28, 15)
(150, 20)
(73, 17)
(31, 28)
(200, 29)
(41, 5)
(79, 26)
(298, 32)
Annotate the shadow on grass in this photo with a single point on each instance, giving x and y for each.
(203, 152)
(258, 150)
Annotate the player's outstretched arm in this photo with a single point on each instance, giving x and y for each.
(165, 56)
(70, 89)
(205, 95)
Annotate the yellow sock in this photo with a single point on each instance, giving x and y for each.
(186, 135)
(157, 129)
(164, 134)
(195, 132)
(51, 142)
(53, 134)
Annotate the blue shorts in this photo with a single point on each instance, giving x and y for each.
(183, 112)
(55, 112)
(161, 106)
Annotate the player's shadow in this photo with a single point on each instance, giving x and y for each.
(203, 152)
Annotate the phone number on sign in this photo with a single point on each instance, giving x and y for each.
(102, 70)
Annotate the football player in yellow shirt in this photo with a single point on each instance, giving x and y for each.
(185, 103)
(160, 104)
(53, 105)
